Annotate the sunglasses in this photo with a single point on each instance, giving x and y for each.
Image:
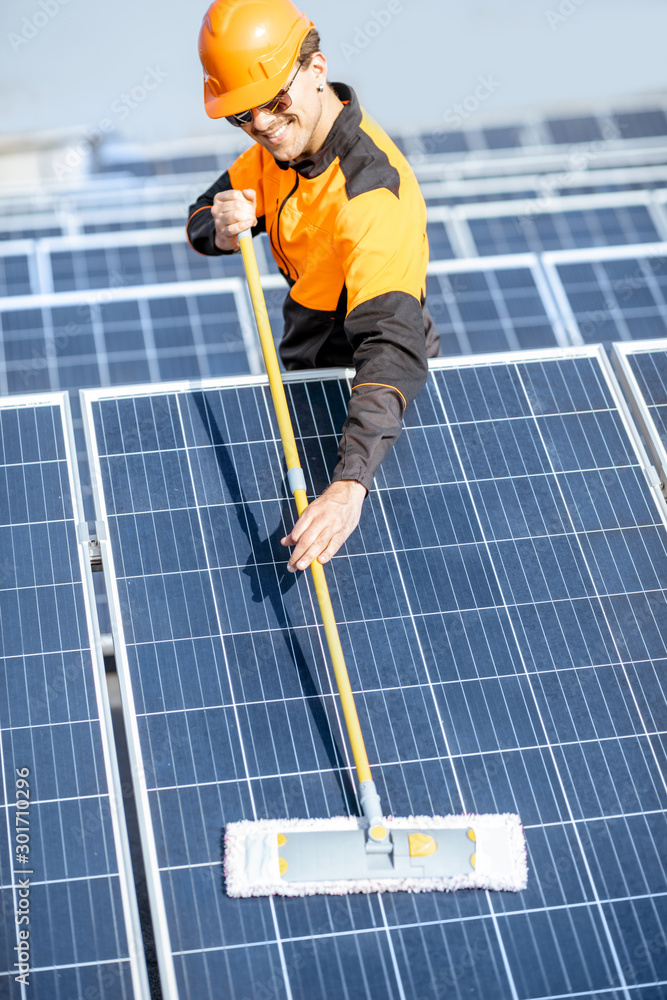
(281, 102)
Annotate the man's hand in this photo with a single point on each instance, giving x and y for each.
(325, 524)
(233, 211)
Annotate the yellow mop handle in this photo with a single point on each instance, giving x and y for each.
(292, 458)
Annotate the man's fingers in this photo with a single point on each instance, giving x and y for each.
(301, 526)
(233, 194)
(308, 547)
(302, 560)
(238, 227)
(331, 550)
(325, 524)
(321, 542)
(233, 212)
(250, 196)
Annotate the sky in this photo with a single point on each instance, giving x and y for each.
(68, 63)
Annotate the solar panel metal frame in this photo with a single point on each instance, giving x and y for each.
(552, 258)
(89, 397)
(114, 788)
(621, 352)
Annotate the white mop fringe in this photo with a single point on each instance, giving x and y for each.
(251, 856)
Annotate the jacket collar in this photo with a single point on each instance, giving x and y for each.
(342, 136)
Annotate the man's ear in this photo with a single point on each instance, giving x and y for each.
(318, 67)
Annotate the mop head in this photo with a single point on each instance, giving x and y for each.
(477, 852)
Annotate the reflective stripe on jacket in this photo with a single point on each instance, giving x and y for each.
(348, 232)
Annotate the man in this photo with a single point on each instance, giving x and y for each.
(347, 226)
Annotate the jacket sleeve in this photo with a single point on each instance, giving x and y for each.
(245, 172)
(383, 251)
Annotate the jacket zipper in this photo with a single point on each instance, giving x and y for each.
(276, 227)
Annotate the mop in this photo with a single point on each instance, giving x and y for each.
(370, 853)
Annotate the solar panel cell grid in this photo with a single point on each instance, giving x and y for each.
(502, 138)
(14, 276)
(440, 247)
(650, 370)
(582, 129)
(638, 125)
(499, 610)
(129, 340)
(482, 311)
(642, 369)
(444, 141)
(617, 299)
(117, 227)
(116, 267)
(50, 725)
(30, 233)
(563, 230)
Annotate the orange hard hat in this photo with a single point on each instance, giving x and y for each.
(248, 49)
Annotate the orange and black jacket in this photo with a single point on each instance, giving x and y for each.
(348, 232)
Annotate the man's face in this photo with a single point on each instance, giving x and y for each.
(296, 133)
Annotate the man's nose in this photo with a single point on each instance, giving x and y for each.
(262, 120)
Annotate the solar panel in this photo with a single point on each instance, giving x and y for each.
(583, 129)
(503, 137)
(64, 859)
(442, 141)
(135, 256)
(30, 232)
(111, 226)
(617, 293)
(570, 129)
(14, 275)
(557, 161)
(158, 166)
(538, 230)
(198, 330)
(546, 223)
(494, 304)
(642, 368)
(641, 124)
(122, 335)
(145, 263)
(440, 246)
(502, 608)
(552, 187)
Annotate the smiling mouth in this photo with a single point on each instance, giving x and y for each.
(277, 134)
